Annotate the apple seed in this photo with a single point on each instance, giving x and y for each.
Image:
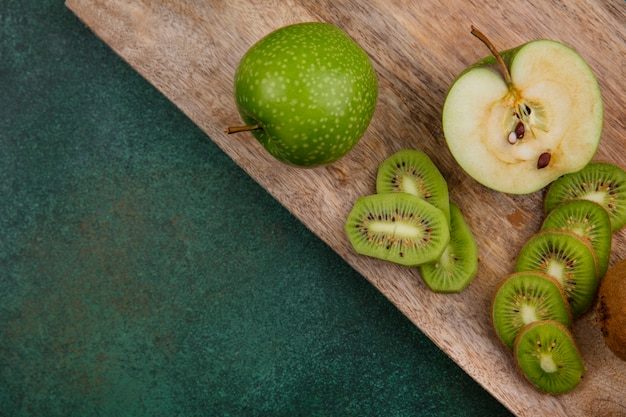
(544, 160)
(527, 110)
(520, 130)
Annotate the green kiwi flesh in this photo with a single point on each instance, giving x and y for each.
(458, 264)
(586, 219)
(602, 182)
(525, 297)
(412, 171)
(397, 227)
(568, 258)
(547, 356)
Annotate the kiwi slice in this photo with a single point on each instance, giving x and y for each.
(397, 227)
(586, 219)
(611, 311)
(568, 258)
(602, 182)
(526, 297)
(412, 171)
(547, 356)
(458, 264)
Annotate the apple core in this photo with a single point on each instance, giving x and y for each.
(518, 120)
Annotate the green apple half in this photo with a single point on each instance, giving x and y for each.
(307, 92)
(517, 120)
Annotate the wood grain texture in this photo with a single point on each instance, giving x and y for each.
(189, 50)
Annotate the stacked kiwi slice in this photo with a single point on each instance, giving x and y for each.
(557, 274)
(411, 221)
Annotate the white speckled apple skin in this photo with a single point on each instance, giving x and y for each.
(311, 88)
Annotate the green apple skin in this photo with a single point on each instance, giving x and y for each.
(311, 89)
(565, 121)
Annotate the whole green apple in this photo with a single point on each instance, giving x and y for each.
(307, 92)
(517, 120)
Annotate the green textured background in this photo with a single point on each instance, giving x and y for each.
(143, 273)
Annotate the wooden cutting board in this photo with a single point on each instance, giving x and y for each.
(189, 50)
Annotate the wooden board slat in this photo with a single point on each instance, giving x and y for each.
(189, 50)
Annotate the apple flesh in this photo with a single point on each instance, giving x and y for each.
(517, 123)
(307, 92)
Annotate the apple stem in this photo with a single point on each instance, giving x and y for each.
(494, 51)
(237, 129)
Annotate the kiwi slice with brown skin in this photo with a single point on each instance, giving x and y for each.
(568, 258)
(458, 264)
(586, 219)
(397, 227)
(412, 171)
(602, 182)
(547, 356)
(611, 313)
(525, 297)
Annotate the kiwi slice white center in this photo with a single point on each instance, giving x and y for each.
(547, 363)
(528, 313)
(400, 230)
